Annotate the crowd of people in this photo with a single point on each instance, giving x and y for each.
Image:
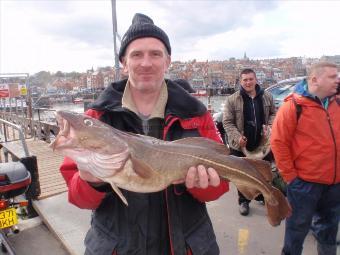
(175, 220)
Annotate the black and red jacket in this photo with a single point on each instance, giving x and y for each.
(176, 211)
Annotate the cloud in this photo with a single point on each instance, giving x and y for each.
(194, 25)
(94, 31)
(76, 35)
(76, 21)
(206, 18)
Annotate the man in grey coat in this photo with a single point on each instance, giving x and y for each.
(245, 113)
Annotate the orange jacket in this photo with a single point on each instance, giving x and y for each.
(308, 147)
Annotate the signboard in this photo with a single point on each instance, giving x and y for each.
(10, 90)
(4, 91)
(23, 90)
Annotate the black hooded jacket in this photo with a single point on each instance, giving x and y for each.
(253, 117)
(172, 212)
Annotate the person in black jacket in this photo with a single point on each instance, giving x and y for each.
(171, 221)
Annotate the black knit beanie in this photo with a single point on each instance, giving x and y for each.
(143, 26)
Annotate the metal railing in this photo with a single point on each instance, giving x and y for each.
(5, 125)
(42, 110)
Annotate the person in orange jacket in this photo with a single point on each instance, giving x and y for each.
(306, 148)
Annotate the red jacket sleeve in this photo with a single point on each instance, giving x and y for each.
(208, 129)
(80, 193)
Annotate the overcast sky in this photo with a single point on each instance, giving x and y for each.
(76, 35)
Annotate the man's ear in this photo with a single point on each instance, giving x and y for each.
(125, 69)
(314, 80)
(168, 61)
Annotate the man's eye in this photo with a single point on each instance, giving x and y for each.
(136, 54)
(88, 122)
(157, 54)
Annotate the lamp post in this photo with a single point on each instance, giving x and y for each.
(114, 28)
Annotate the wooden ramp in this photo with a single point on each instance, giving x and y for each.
(50, 178)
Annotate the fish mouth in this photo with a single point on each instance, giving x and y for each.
(64, 126)
(65, 137)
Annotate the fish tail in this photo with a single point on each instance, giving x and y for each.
(278, 207)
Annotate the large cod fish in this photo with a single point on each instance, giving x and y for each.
(144, 164)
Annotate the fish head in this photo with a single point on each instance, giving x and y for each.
(79, 133)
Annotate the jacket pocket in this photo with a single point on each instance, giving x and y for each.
(98, 243)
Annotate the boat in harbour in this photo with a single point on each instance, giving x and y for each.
(78, 100)
(200, 92)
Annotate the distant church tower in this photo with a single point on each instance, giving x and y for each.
(245, 56)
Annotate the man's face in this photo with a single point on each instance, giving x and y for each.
(327, 82)
(248, 82)
(146, 61)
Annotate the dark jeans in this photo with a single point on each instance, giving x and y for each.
(314, 206)
(241, 198)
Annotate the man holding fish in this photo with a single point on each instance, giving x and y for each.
(247, 115)
(171, 221)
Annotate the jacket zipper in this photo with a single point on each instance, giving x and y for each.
(335, 147)
(168, 122)
(252, 102)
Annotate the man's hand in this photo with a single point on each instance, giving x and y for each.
(243, 141)
(265, 130)
(200, 177)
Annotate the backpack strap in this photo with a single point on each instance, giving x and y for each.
(298, 108)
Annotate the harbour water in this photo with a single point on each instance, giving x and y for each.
(69, 106)
(215, 102)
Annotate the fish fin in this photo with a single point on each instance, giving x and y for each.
(141, 168)
(206, 143)
(119, 193)
(262, 166)
(247, 192)
(278, 207)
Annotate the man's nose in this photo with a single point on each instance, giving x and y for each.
(146, 61)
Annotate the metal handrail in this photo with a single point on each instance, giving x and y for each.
(21, 134)
(42, 109)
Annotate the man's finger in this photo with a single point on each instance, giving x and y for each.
(214, 178)
(203, 181)
(191, 177)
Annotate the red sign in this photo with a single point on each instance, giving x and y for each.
(9, 90)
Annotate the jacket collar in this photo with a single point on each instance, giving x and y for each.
(301, 89)
(258, 89)
(158, 111)
(179, 102)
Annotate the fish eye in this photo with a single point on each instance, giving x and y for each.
(88, 122)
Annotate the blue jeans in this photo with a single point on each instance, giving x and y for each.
(317, 207)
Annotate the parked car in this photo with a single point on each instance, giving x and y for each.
(282, 89)
(219, 125)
